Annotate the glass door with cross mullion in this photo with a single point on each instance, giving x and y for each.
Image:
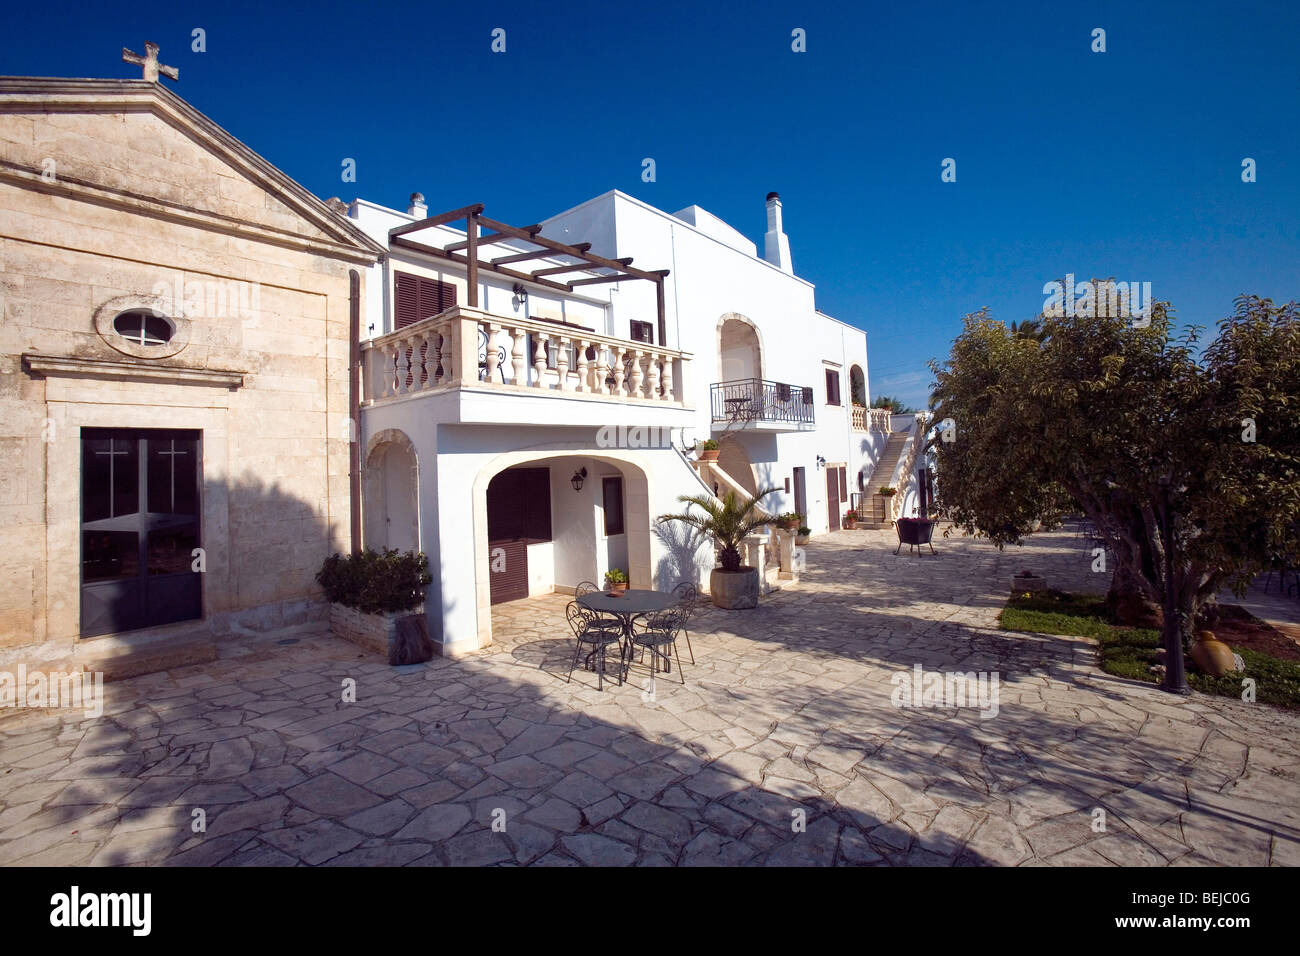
(140, 528)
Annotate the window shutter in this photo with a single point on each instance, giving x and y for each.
(406, 311)
(419, 298)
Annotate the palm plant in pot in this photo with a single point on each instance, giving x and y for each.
(728, 522)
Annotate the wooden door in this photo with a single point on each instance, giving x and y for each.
(833, 498)
(801, 494)
(508, 569)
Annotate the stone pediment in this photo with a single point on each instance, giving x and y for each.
(137, 146)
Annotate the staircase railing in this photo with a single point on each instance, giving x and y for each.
(903, 476)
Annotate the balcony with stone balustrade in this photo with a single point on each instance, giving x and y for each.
(483, 367)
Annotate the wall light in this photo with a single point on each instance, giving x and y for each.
(578, 478)
(821, 462)
(521, 294)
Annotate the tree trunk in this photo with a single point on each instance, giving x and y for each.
(1129, 604)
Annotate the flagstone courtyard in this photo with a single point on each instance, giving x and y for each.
(783, 746)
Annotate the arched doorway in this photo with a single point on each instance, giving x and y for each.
(857, 386)
(583, 539)
(391, 516)
(740, 350)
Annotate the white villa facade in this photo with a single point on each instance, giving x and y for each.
(532, 400)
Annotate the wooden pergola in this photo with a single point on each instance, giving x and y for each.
(466, 252)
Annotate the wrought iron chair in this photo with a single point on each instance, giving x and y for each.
(658, 635)
(688, 599)
(589, 628)
(584, 587)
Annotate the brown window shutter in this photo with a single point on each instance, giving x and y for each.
(406, 308)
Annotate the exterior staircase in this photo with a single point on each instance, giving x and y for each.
(883, 474)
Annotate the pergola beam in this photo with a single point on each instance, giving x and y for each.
(536, 254)
(464, 261)
(464, 212)
(591, 257)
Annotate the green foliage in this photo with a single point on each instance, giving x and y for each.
(616, 576)
(804, 531)
(886, 491)
(895, 405)
(1130, 652)
(709, 444)
(376, 583)
(728, 522)
(789, 518)
(1123, 422)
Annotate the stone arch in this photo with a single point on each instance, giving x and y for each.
(391, 482)
(740, 348)
(857, 384)
(636, 503)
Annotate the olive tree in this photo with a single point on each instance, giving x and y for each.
(1188, 466)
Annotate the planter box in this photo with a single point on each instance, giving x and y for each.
(1030, 585)
(401, 637)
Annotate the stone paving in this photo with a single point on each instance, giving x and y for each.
(783, 746)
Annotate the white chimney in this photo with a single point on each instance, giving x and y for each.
(776, 245)
(417, 208)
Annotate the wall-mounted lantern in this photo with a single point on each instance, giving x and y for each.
(578, 478)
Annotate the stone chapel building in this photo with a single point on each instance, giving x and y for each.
(177, 355)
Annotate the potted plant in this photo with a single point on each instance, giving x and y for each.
(790, 521)
(615, 581)
(728, 522)
(376, 601)
(850, 519)
(887, 492)
(709, 450)
(802, 535)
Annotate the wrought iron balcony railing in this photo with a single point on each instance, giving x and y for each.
(756, 400)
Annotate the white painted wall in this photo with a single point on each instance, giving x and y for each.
(711, 275)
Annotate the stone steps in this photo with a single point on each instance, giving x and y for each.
(120, 663)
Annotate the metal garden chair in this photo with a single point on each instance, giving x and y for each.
(590, 629)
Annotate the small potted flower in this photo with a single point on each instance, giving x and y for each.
(887, 492)
(709, 450)
(790, 521)
(802, 535)
(615, 581)
(850, 520)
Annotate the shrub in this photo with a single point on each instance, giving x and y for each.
(376, 583)
(805, 531)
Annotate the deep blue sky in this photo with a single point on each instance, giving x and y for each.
(1126, 163)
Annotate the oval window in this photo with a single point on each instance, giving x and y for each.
(143, 327)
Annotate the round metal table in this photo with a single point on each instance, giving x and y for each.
(628, 606)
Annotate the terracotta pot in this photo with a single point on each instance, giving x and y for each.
(710, 455)
(1213, 656)
(801, 539)
(850, 524)
(615, 588)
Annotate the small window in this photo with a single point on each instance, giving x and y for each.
(142, 327)
(613, 489)
(643, 332)
(832, 387)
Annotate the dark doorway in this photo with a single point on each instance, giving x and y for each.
(801, 494)
(519, 514)
(140, 528)
(833, 498)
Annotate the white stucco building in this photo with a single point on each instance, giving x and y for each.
(534, 397)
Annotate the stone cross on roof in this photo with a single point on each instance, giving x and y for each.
(150, 63)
